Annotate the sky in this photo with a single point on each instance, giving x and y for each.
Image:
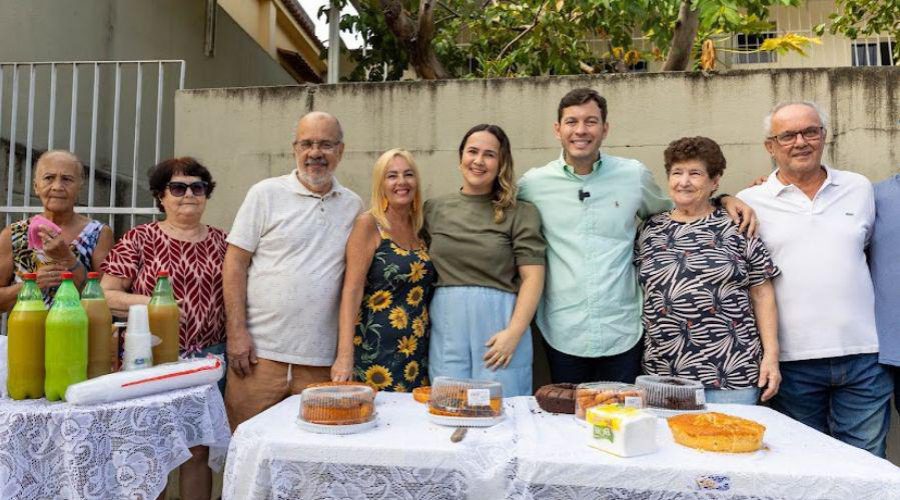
(312, 8)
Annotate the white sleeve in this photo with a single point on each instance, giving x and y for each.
(250, 221)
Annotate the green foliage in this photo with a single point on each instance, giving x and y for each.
(503, 38)
(864, 18)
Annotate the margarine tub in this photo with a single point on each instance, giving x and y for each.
(626, 432)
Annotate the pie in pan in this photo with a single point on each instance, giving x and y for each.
(714, 431)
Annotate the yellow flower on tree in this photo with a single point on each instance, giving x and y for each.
(417, 271)
(399, 251)
(357, 340)
(398, 317)
(407, 345)
(379, 377)
(418, 327)
(400, 387)
(411, 371)
(415, 296)
(380, 300)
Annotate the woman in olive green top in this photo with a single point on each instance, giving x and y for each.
(489, 254)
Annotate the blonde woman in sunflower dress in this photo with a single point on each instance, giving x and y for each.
(383, 324)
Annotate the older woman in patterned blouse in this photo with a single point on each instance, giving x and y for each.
(193, 254)
(80, 246)
(709, 309)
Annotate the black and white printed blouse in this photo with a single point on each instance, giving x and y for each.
(697, 316)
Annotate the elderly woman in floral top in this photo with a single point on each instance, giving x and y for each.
(193, 254)
(383, 324)
(709, 309)
(79, 246)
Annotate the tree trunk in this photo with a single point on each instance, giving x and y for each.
(686, 26)
(416, 36)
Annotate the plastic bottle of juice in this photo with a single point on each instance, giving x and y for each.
(25, 344)
(66, 348)
(99, 326)
(164, 315)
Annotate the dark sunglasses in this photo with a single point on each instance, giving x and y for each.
(179, 189)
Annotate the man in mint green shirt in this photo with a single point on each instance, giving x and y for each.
(590, 206)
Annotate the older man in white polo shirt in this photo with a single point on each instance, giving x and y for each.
(283, 272)
(816, 222)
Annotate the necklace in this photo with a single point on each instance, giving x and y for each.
(193, 235)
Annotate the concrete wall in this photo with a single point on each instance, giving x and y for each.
(244, 135)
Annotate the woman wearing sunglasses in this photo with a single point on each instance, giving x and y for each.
(192, 253)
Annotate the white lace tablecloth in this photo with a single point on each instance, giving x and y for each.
(110, 451)
(553, 462)
(535, 455)
(404, 457)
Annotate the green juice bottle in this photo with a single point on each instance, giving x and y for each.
(66, 345)
(25, 355)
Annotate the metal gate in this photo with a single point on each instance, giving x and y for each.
(97, 110)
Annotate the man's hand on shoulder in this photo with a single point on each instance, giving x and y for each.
(741, 214)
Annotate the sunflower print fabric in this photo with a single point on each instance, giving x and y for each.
(391, 342)
(697, 316)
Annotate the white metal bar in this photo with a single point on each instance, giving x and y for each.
(88, 61)
(181, 77)
(74, 116)
(159, 108)
(85, 210)
(29, 137)
(12, 135)
(92, 175)
(51, 132)
(138, 96)
(334, 41)
(115, 144)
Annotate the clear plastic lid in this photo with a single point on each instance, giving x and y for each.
(608, 393)
(337, 404)
(673, 393)
(458, 397)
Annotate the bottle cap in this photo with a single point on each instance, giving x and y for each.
(67, 275)
(162, 274)
(93, 275)
(29, 276)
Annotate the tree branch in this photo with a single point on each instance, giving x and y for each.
(686, 26)
(537, 16)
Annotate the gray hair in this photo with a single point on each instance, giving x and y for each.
(767, 121)
(60, 154)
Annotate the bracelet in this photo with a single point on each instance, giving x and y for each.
(75, 266)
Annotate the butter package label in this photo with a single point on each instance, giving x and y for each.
(622, 431)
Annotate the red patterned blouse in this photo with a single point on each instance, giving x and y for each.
(196, 276)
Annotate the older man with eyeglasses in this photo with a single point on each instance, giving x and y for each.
(283, 272)
(817, 222)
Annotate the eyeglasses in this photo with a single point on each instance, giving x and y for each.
(790, 137)
(324, 146)
(179, 189)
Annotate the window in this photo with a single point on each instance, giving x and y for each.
(871, 54)
(746, 41)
